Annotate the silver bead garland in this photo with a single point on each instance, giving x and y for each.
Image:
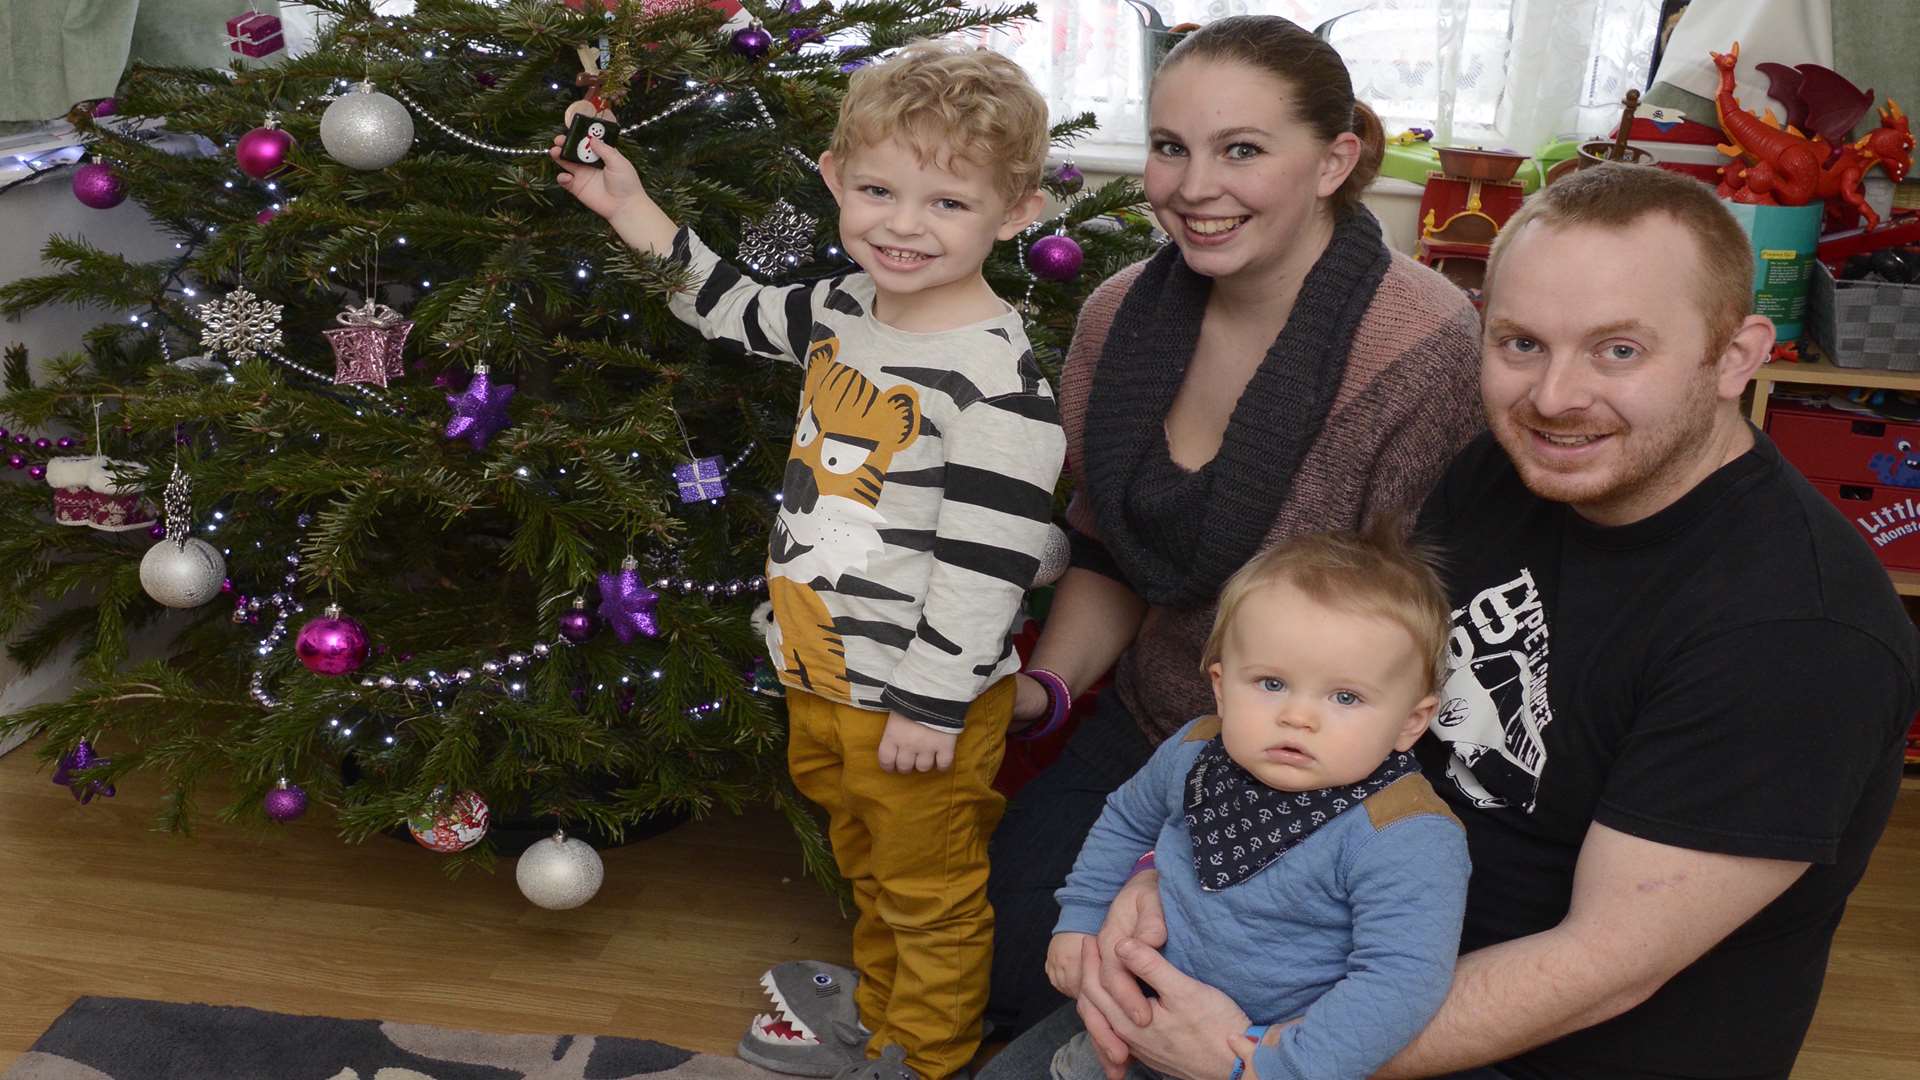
(541, 151)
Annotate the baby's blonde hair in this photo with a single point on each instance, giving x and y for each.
(947, 100)
(1378, 573)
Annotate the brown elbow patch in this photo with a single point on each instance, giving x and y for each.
(1406, 797)
(1203, 729)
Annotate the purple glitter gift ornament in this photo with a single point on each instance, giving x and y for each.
(701, 478)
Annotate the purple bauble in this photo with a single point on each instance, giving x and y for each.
(38, 472)
(157, 530)
(800, 35)
(752, 43)
(1055, 258)
(106, 106)
(1068, 178)
(331, 644)
(795, 7)
(97, 186)
(263, 152)
(285, 802)
(23, 439)
(16, 462)
(67, 442)
(486, 78)
(577, 625)
(43, 444)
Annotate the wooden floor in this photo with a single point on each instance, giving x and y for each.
(291, 919)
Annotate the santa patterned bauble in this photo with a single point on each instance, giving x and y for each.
(97, 185)
(366, 129)
(1055, 258)
(263, 151)
(559, 873)
(183, 573)
(1054, 556)
(286, 802)
(455, 826)
(332, 644)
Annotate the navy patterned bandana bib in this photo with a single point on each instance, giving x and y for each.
(1239, 824)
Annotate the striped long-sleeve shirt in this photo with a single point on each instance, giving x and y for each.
(917, 495)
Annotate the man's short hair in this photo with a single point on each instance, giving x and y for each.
(1378, 572)
(1616, 196)
(947, 100)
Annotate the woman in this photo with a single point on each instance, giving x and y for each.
(1275, 370)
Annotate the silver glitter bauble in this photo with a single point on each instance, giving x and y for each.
(559, 873)
(366, 129)
(182, 576)
(1054, 556)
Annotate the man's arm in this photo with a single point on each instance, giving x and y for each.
(1641, 912)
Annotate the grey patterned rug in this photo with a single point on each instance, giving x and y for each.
(127, 1039)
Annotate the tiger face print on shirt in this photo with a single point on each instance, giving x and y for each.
(829, 523)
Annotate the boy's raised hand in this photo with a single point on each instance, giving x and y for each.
(606, 190)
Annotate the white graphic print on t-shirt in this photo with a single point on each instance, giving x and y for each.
(1494, 711)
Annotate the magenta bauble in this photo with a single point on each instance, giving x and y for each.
(263, 152)
(98, 186)
(1055, 258)
(577, 624)
(752, 43)
(332, 644)
(285, 802)
(266, 215)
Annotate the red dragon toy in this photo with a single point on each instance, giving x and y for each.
(1778, 166)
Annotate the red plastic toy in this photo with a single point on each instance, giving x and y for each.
(1782, 167)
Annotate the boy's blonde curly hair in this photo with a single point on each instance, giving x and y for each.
(948, 100)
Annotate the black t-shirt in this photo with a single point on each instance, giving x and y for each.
(1733, 674)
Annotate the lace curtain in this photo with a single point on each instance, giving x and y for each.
(1487, 72)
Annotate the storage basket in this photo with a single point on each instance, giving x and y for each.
(1865, 324)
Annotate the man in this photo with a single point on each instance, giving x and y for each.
(1678, 686)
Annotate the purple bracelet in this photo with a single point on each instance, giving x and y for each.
(1059, 701)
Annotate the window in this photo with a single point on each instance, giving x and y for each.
(1485, 72)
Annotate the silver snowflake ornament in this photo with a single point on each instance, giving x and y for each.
(240, 324)
(780, 241)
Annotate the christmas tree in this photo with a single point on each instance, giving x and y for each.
(395, 371)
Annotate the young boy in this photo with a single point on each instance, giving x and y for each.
(1306, 868)
(915, 507)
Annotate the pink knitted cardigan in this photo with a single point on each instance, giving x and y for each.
(1409, 401)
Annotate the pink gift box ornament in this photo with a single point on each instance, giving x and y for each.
(85, 493)
(254, 34)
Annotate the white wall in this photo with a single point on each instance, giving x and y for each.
(28, 215)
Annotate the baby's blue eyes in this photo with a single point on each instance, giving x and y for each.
(1272, 685)
(1345, 697)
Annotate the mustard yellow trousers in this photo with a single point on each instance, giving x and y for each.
(914, 846)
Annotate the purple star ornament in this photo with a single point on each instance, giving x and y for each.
(626, 604)
(480, 411)
(78, 759)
